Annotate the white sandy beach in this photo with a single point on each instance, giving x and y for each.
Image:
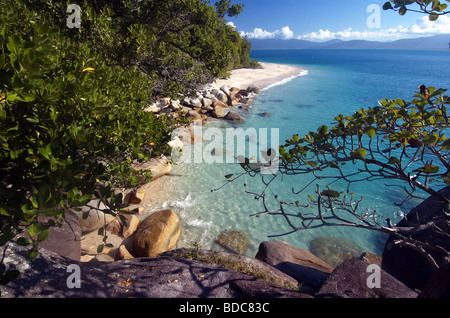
(270, 73)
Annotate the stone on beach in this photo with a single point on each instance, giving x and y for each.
(218, 112)
(159, 167)
(93, 218)
(234, 117)
(158, 233)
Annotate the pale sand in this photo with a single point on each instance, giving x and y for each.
(270, 73)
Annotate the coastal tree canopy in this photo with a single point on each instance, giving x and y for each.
(73, 99)
(224, 7)
(434, 8)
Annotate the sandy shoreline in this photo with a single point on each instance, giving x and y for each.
(270, 74)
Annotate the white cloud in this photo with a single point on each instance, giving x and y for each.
(231, 24)
(423, 27)
(285, 34)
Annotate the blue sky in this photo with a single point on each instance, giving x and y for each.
(321, 20)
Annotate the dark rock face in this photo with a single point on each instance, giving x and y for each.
(408, 265)
(297, 263)
(163, 277)
(65, 240)
(350, 280)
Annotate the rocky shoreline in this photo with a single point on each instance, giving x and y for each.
(117, 238)
(208, 103)
(279, 270)
(139, 257)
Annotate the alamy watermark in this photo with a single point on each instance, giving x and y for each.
(256, 148)
(74, 19)
(374, 19)
(74, 279)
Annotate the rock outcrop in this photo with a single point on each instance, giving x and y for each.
(408, 265)
(52, 276)
(300, 264)
(350, 280)
(204, 104)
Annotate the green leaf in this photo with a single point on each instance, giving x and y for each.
(9, 276)
(331, 193)
(387, 6)
(430, 139)
(22, 241)
(44, 194)
(33, 253)
(359, 153)
(393, 161)
(323, 130)
(229, 176)
(428, 169)
(13, 43)
(311, 163)
(45, 152)
(371, 132)
(433, 17)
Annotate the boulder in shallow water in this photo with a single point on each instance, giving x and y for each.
(234, 240)
(234, 117)
(334, 250)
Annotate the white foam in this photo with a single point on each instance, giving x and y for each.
(286, 80)
(199, 223)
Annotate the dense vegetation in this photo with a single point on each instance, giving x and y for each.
(73, 88)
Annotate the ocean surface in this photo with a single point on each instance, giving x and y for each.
(335, 82)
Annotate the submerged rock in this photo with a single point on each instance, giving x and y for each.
(334, 250)
(235, 241)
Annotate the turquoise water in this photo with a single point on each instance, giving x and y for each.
(338, 81)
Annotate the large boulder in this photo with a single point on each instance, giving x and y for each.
(254, 89)
(350, 280)
(159, 166)
(297, 263)
(234, 240)
(234, 117)
(156, 234)
(66, 239)
(409, 265)
(218, 112)
(95, 218)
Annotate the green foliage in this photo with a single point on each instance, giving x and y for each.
(224, 7)
(397, 140)
(72, 101)
(434, 8)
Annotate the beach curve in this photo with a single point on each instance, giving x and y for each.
(268, 76)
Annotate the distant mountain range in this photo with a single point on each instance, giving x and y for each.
(437, 42)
